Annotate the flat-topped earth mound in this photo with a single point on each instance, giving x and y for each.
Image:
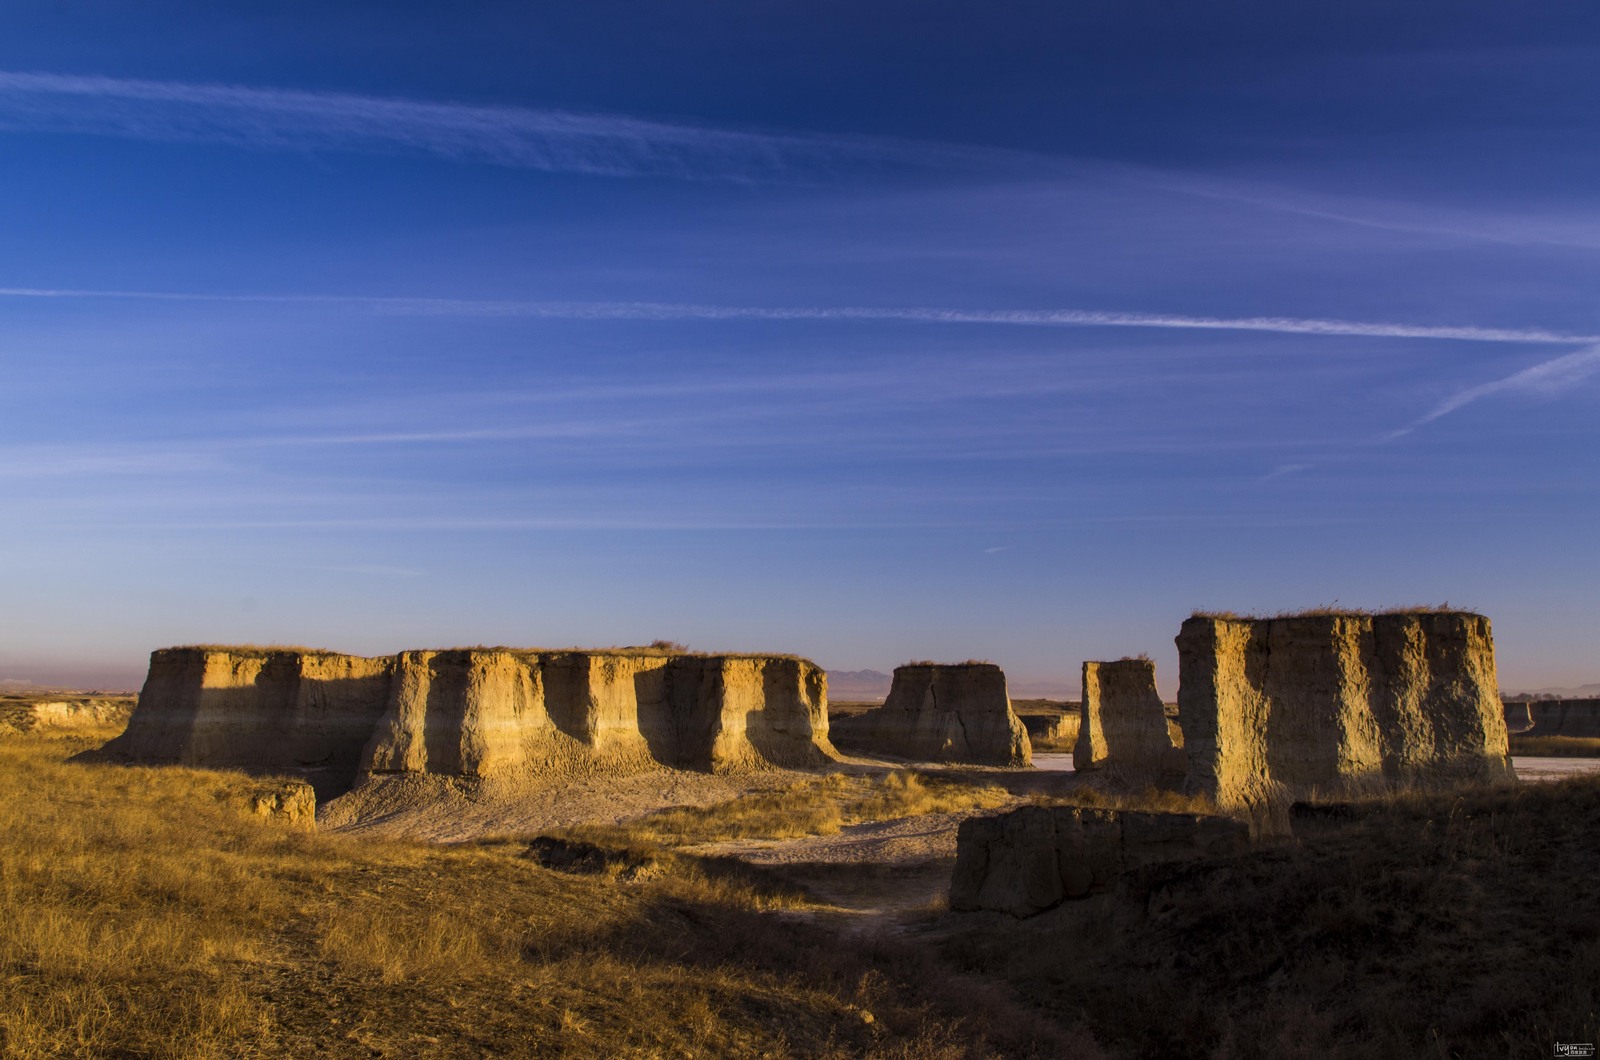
(27, 711)
(1289, 707)
(477, 714)
(957, 712)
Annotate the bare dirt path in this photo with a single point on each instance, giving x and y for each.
(876, 874)
(869, 875)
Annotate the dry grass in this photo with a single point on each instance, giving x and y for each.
(816, 806)
(1335, 610)
(142, 913)
(1556, 746)
(850, 708)
(261, 649)
(652, 650)
(1149, 799)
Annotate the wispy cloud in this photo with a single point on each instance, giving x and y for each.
(527, 138)
(54, 461)
(1547, 378)
(1574, 226)
(667, 311)
(376, 570)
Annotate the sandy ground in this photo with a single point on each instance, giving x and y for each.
(440, 809)
(449, 810)
(873, 877)
(446, 810)
(870, 875)
(1539, 769)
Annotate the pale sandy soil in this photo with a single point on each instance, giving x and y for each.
(872, 875)
(450, 810)
(444, 810)
(1537, 769)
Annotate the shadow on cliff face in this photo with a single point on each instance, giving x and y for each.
(279, 724)
(677, 716)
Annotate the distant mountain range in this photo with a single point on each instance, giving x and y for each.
(1579, 692)
(858, 684)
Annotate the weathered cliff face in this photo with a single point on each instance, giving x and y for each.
(1036, 857)
(1057, 730)
(1123, 724)
(255, 709)
(1519, 718)
(939, 713)
(1290, 707)
(1563, 717)
(487, 713)
(477, 713)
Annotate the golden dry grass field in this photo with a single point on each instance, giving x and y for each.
(1555, 746)
(147, 912)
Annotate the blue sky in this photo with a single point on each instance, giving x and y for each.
(867, 332)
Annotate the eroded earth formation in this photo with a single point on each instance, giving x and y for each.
(477, 713)
(943, 713)
(1036, 857)
(1123, 724)
(1564, 717)
(1335, 703)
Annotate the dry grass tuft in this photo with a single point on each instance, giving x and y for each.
(654, 649)
(935, 662)
(1335, 610)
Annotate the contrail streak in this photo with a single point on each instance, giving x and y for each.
(1547, 377)
(522, 137)
(917, 315)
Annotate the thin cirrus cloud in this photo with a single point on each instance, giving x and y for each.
(665, 311)
(520, 137)
(1547, 378)
(1566, 229)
